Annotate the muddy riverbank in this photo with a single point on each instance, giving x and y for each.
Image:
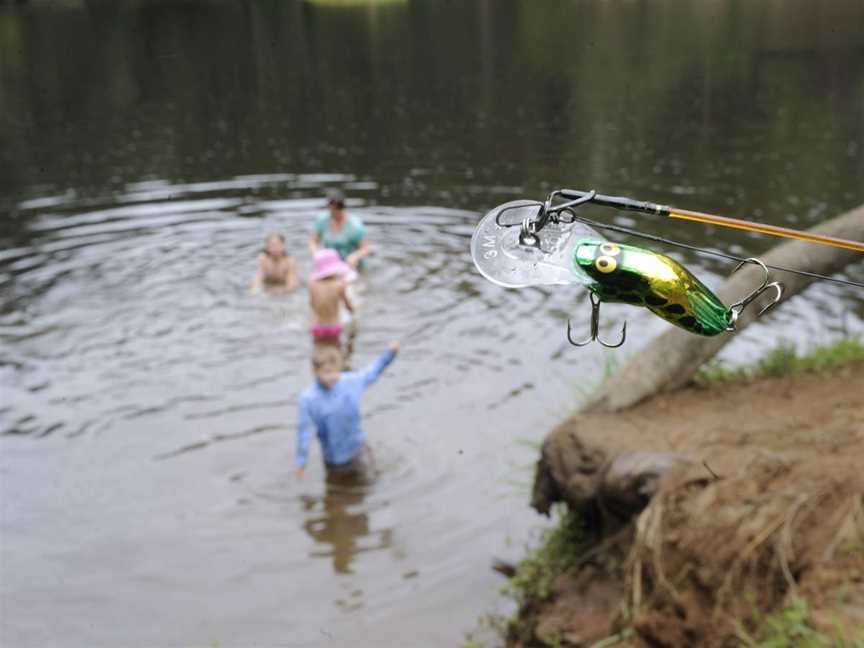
(767, 518)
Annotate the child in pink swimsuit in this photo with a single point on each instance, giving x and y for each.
(327, 290)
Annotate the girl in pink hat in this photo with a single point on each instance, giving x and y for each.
(327, 289)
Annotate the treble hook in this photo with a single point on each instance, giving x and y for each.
(595, 327)
(739, 306)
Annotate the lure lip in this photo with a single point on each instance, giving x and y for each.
(502, 257)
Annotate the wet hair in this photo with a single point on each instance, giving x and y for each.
(324, 354)
(336, 197)
(267, 240)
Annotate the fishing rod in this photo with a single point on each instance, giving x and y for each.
(628, 204)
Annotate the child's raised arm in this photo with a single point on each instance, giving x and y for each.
(370, 374)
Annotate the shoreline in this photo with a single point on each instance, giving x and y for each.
(763, 432)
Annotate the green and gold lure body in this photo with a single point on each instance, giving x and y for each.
(634, 275)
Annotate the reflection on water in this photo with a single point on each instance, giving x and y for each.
(340, 522)
(148, 401)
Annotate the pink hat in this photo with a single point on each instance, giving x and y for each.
(328, 263)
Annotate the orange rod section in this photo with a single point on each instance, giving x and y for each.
(773, 230)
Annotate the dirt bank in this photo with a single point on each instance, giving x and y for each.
(768, 513)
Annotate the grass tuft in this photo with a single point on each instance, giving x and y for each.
(789, 627)
(784, 360)
(560, 548)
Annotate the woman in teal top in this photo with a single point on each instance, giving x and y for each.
(339, 231)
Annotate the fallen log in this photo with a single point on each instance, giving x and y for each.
(670, 361)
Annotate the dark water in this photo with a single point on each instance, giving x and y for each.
(148, 403)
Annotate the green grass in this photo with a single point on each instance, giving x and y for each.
(560, 548)
(784, 360)
(588, 383)
(790, 627)
(490, 631)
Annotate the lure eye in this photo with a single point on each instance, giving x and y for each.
(606, 264)
(610, 249)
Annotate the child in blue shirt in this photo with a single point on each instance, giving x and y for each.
(331, 407)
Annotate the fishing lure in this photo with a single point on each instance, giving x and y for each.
(565, 251)
(634, 275)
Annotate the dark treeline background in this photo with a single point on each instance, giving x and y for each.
(744, 104)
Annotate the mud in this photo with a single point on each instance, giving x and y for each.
(765, 504)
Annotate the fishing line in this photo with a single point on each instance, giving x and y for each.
(700, 250)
